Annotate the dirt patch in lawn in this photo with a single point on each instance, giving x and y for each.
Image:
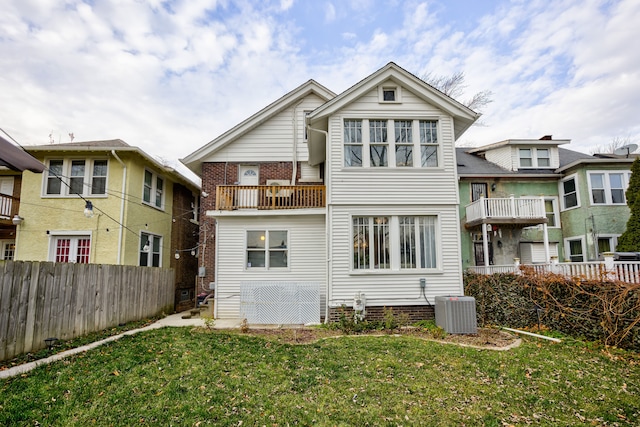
(485, 338)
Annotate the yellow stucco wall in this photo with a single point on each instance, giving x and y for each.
(45, 216)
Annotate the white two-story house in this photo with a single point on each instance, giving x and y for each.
(322, 202)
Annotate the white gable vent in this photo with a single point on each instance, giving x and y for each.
(456, 314)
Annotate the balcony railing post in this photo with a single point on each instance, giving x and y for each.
(483, 207)
(512, 200)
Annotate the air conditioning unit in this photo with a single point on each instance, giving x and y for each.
(277, 191)
(456, 314)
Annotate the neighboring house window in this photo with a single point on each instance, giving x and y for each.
(551, 210)
(153, 192)
(378, 142)
(607, 188)
(375, 237)
(353, 142)
(150, 250)
(607, 244)
(75, 249)
(534, 157)
(574, 249)
(304, 125)
(8, 251)
(87, 177)
(398, 137)
(569, 190)
(195, 205)
(267, 249)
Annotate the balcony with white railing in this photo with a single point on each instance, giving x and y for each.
(511, 210)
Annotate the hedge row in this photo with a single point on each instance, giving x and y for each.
(608, 312)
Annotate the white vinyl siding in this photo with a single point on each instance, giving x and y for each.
(272, 140)
(397, 284)
(306, 256)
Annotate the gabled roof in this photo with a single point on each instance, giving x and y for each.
(463, 116)
(17, 159)
(116, 145)
(194, 160)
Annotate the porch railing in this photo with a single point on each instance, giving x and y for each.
(510, 208)
(8, 206)
(230, 197)
(625, 271)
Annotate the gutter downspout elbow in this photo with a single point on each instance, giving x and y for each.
(124, 187)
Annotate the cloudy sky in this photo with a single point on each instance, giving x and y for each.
(170, 76)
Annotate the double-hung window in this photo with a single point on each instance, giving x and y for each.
(428, 143)
(569, 190)
(267, 249)
(404, 142)
(396, 143)
(394, 242)
(607, 188)
(86, 177)
(150, 250)
(153, 191)
(378, 142)
(534, 157)
(353, 143)
(574, 249)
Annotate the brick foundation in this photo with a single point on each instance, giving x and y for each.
(414, 312)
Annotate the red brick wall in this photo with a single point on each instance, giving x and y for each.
(414, 312)
(184, 235)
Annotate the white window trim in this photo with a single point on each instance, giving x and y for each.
(534, 158)
(66, 176)
(626, 176)
(394, 246)
(556, 211)
(150, 248)
(267, 267)
(387, 87)
(154, 187)
(567, 248)
(561, 192)
(3, 248)
(54, 234)
(614, 241)
(391, 143)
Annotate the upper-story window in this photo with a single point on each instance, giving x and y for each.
(569, 190)
(389, 94)
(378, 142)
(353, 142)
(87, 177)
(153, 191)
(381, 137)
(534, 157)
(607, 188)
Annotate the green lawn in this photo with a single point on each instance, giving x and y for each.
(187, 377)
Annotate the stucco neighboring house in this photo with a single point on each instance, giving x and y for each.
(532, 200)
(321, 201)
(13, 161)
(106, 202)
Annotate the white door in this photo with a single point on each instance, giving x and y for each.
(248, 198)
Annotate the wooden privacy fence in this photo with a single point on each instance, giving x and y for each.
(39, 300)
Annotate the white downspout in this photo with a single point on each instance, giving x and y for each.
(328, 246)
(294, 154)
(124, 187)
